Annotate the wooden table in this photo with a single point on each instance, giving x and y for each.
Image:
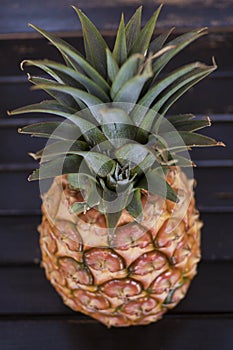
(32, 315)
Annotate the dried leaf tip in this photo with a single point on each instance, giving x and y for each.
(33, 155)
(209, 120)
(222, 144)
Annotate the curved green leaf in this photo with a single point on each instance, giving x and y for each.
(95, 45)
(135, 207)
(184, 85)
(56, 167)
(114, 115)
(47, 106)
(192, 125)
(156, 184)
(60, 147)
(133, 153)
(117, 126)
(142, 41)
(53, 130)
(68, 76)
(133, 27)
(131, 90)
(74, 57)
(89, 130)
(59, 96)
(112, 66)
(159, 41)
(80, 180)
(174, 139)
(120, 49)
(179, 44)
(77, 94)
(144, 165)
(101, 164)
(127, 71)
(113, 205)
(167, 82)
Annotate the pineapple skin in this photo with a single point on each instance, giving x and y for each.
(146, 270)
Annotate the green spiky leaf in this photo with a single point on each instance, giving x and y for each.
(155, 183)
(159, 41)
(135, 207)
(47, 106)
(74, 58)
(78, 207)
(60, 147)
(95, 45)
(120, 48)
(132, 153)
(68, 76)
(133, 28)
(126, 72)
(53, 130)
(117, 126)
(80, 180)
(131, 90)
(113, 205)
(192, 125)
(174, 139)
(56, 167)
(112, 66)
(77, 94)
(143, 39)
(101, 164)
(179, 44)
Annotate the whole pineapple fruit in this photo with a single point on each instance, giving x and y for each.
(120, 234)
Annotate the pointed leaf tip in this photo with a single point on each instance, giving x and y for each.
(142, 42)
(220, 143)
(120, 47)
(94, 43)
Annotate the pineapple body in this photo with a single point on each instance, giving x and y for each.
(120, 235)
(145, 271)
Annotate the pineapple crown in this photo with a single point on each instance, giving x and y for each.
(115, 140)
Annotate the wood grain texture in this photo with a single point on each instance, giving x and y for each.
(32, 315)
(170, 333)
(203, 98)
(25, 290)
(56, 15)
(219, 180)
(20, 239)
(221, 130)
(216, 43)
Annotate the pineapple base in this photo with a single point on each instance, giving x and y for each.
(145, 271)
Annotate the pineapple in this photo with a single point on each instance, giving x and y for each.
(120, 234)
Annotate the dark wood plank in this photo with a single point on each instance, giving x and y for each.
(25, 290)
(18, 194)
(56, 15)
(17, 151)
(170, 333)
(217, 242)
(217, 43)
(20, 239)
(219, 190)
(202, 99)
(16, 147)
(221, 131)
